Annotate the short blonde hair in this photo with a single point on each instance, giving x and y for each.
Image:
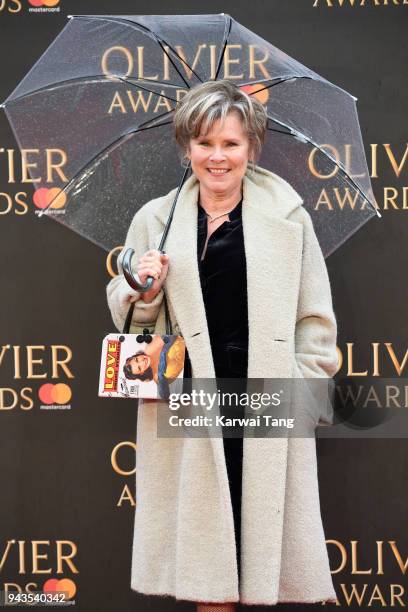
(212, 100)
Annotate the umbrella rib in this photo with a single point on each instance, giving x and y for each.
(294, 76)
(158, 39)
(112, 145)
(227, 31)
(299, 135)
(88, 79)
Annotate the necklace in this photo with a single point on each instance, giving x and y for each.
(211, 219)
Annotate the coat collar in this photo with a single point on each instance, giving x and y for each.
(263, 191)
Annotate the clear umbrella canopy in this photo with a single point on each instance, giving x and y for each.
(101, 98)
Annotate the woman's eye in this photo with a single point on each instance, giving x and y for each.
(232, 144)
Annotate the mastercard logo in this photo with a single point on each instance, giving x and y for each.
(43, 197)
(53, 585)
(43, 2)
(54, 394)
(256, 90)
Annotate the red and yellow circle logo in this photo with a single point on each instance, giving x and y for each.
(43, 2)
(256, 90)
(43, 197)
(54, 394)
(53, 585)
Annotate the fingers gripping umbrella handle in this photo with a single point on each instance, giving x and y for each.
(130, 277)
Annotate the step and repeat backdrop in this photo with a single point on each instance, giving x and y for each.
(67, 457)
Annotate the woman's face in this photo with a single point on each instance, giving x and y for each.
(139, 363)
(219, 159)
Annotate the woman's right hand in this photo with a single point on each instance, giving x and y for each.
(156, 264)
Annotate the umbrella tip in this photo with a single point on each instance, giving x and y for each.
(2, 105)
(69, 16)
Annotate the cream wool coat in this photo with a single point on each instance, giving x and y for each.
(184, 543)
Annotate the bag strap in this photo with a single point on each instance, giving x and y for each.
(129, 316)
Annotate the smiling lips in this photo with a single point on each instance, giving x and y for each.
(218, 171)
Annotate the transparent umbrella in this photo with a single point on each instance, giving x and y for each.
(102, 98)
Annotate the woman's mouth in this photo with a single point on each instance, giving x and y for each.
(218, 171)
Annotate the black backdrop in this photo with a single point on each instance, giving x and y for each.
(67, 474)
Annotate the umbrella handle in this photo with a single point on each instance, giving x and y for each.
(130, 277)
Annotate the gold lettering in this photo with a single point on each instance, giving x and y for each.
(66, 557)
(21, 554)
(109, 266)
(372, 396)
(17, 373)
(376, 594)
(402, 565)
(258, 63)
(14, 395)
(140, 100)
(56, 362)
(29, 399)
(397, 168)
(186, 65)
(9, 544)
(114, 460)
(36, 557)
(376, 359)
(117, 103)
(350, 372)
(9, 204)
(21, 203)
(343, 555)
(122, 50)
(374, 148)
(324, 200)
(25, 165)
(390, 193)
(55, 165)
(10, 157)
(354, 594)
(213, 60)
(162, 101)
(126, 497)
(228, 60)
(354, 563)
(18, 6)
(347, 198)
(166, 64)
(312, 167)
(140, 63)
(31, 361)
(398, 366)
(348, 162)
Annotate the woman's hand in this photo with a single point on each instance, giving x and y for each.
(156, 264)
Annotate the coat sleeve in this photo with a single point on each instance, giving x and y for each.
(119, 293)
(316, 327)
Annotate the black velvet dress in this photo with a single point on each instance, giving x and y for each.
(224, 289)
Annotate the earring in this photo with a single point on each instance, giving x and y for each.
(185, 162)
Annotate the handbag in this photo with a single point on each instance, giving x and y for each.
(148, 366)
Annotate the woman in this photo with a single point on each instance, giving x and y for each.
(247, 287)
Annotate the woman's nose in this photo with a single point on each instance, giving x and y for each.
(217, 155)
